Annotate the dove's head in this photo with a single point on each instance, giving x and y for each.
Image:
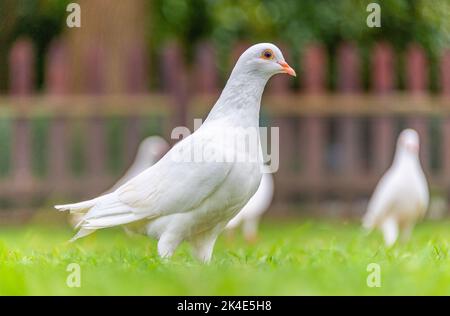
(265, 60)
(408, 141)
(152, 149)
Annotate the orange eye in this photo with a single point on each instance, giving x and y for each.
(267, 54)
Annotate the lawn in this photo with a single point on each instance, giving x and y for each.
(301, 257)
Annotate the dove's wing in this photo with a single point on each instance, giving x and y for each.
(381, 200)
(176, 184)
(170, 186)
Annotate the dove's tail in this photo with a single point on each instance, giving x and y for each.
(81, 207)
(102, 212)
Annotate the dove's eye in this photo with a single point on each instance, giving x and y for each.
(267, 54)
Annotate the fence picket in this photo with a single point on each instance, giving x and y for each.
(96, 142)
(382, 127)
(445, 90)
(416, 83)
(175, 82)
(21, 74)
(313, 132)
(57, 84)
(136, 84)
(349, 132)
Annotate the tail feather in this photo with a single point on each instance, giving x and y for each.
(109, 221)
(81, 207)
(82, 233)
(102, 212)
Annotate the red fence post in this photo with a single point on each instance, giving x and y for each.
(174, 82)
(445, 90)
(313, 130)
(206, 75)
(136, 69)
(349, 132)
(57, 84)
(96, 144)
(416, 83)
(382, 127)
(21, 74)
(314, 69)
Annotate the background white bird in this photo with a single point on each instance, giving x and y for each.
(259, 203)
(193, 200)
(150, 150)
(401, 197)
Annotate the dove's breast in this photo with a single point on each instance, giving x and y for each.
(238, 187)
(223, 202)
(411, 201)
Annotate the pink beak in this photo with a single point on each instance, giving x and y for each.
(287, 69)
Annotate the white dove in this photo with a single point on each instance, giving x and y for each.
(150, 150)
(250, 215)
(192, 192)
(401, 197)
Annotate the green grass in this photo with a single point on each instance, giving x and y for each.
(296, 258)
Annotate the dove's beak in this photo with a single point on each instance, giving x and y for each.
(287, 69)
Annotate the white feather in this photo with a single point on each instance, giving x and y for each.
(259, 203)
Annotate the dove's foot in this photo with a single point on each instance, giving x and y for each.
(250, 230)
(203, 246)
(251, 239)
(167, 244)
(390, 231)
(406, 233)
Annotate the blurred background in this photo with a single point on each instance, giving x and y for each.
(76, 102)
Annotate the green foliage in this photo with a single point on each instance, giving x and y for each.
(225, 22)
(40, 20)
(295, 258)
(297, 22)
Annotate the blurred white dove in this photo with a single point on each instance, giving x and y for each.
(204, 180)
(250, 215)
(401, 197)
(150, 150)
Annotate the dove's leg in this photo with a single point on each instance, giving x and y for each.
(406, 231)
(167, 244)
(203, 245)
(390, 231)
(250, 229)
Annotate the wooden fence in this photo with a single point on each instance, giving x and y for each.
(333, 145)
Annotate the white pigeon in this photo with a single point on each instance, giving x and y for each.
(250, 215)
(193, 199)
(150, 150)
(401, 197)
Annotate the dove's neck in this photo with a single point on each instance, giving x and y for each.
(240, 100)
(406, 159)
